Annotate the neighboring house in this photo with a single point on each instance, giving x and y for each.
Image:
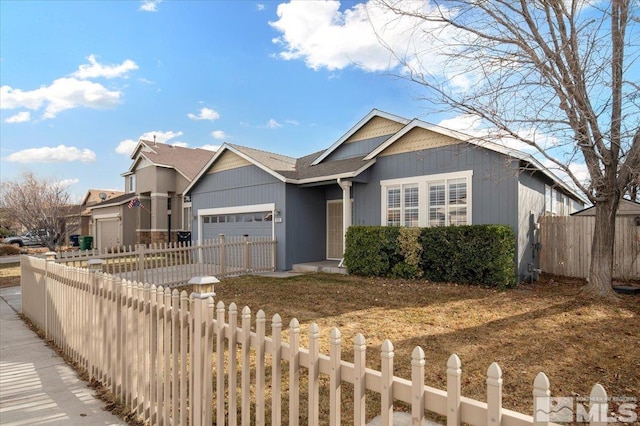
(385, 170)
(626, 208)
(91, 199)
(157, 177)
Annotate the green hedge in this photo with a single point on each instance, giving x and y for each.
(475, 254)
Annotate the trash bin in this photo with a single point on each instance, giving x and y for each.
(74, 240)
(184, 237)
(85, 242)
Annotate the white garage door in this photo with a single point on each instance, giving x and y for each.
(253, 220)
(108, 233)
(237, 224)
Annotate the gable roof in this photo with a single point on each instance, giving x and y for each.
(289, 169)
(626, 208)
(314, 168)
(354, 129)
(93, 196)
(186, 161)
(115, 201)
(510, 152)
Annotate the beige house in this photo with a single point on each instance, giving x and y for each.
(152, 208)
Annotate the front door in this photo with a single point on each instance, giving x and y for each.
(334, 229)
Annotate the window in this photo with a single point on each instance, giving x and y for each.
(432, 200)
(457, 213)
(131, 183)
(410, 204)
(548, 201)
(437, 204)
(393, 206)
(186, 218)
(402, 205)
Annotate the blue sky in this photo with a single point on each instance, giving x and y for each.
(84, 80)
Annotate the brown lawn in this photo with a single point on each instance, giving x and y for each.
(549, 326)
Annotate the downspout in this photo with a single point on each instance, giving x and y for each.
(346, 212)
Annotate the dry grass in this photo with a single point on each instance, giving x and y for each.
(9, 275)
(549, 327)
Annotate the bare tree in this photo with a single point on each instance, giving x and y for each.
(557, 75)
(37, 205)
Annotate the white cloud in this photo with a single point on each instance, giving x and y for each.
(210, 147)
(63, 94)
(65, 183)
(204, 114)
(462, 123)
(219, 134)
(260, 7)
(59, 154)
(20, 117)
(181, 144)
(292, 122)
(126, 147)
(160, 137)
(94, 69)
(149, 5)
(326, 37)
(273, 124)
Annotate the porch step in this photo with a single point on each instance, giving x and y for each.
(329, 267)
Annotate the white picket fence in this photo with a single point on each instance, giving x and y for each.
(166, 355)
(171, 264)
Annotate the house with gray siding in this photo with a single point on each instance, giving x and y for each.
(386, 170)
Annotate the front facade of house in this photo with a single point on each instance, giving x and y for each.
(157, 177)
(385, 171)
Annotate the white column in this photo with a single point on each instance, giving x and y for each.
(346, 210)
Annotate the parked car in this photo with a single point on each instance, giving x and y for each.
(28, 239)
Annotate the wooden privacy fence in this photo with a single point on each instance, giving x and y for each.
(566, 246)
(175, 359)
(171, 264)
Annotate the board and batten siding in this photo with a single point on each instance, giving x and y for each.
(243, 186)
(494, 181)
(531, 202)
(359, 148)
(305, 224)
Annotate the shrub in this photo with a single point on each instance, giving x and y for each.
(410, 251)
(475, 254)
(479, 254)
(371, 250)
(9, 250)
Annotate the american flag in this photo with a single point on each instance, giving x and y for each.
(135, 202)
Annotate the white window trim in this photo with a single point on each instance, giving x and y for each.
(423, 194)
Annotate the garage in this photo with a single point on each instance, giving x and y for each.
(255, 221)
(107, 233)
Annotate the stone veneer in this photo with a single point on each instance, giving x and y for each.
(154, 237)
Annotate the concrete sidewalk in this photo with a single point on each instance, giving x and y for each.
(36, 386)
